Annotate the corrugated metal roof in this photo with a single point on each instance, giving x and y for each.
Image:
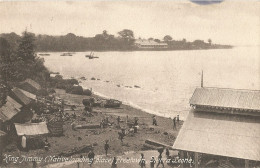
(10, 109)
(33, 83)
(31, 129)
(230, 98)
(28, 94)
(21, 96)
(220, 134)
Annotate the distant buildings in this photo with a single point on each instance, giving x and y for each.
(149, 44)
(224, 123)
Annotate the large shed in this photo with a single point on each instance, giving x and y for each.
(222, 122)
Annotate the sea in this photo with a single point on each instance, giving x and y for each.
(160, 82)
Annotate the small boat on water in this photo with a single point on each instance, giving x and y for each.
(66, 54)
(91, 56)
(42, 54)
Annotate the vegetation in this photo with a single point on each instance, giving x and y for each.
(103, 42)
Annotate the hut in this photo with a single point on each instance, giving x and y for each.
(30, 85)
(20, 97)
(34, 133)
(7, 112)
(224, 123)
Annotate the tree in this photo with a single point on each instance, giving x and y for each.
(167, 38)
(126, 34)
(210, 41)
(26, 48)
(127, 37)
(150, 39)
(157, 40)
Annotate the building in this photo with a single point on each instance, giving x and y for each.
(30, 85)
(34, 133)
(223, 123)
(150, 44)
(7, 112)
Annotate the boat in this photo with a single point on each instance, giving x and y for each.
(91, 56)
(42, 54)
(112, 103)
(66, 54)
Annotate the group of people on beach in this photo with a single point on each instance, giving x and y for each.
(142, 162)
(175, 120)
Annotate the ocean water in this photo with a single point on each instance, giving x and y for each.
(167, 79)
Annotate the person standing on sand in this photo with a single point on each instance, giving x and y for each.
(178, 119)
(167, 153)
(152, 162)
(160, 161)
(154, 121)
(174, 123)
(106, 146)
(142, 161)
(91, 157)
(114, 163)
(118, 120)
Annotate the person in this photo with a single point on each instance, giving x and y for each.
(160, 161)
(23, 141)
(118, 120)
(46, 144)
(142, 161)
(34, 164)
(120, 136)
(152, 162)
(126, 119)
(174, 123)
(167, 153)
(178, 119)
(136, 121)
(114, 163)
(91, 157)
(102, 124)
(106, 147)
(154, 121)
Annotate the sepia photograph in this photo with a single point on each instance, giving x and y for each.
(130, 84)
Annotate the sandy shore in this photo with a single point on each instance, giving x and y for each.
(163, 133)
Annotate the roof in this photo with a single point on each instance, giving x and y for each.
(228, 135)
(229, 98)
(31, 129)
(33, 83)
(10, 109)
(28, 94)
(21, 96)
(148, 42)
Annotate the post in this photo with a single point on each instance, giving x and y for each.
(246, 163)
(182, 158)
(196, 158)
(201, 84)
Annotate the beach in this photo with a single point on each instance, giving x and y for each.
(72, 139)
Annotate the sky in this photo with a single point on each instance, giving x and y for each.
(230, 22)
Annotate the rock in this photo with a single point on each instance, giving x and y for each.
(118, 85)
(165, 133)
(137, 86)
(93, 78)
(87, 92)
(76, 90)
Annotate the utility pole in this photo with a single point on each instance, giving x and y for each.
(201, 85)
